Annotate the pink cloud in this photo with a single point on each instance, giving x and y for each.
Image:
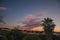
(32, 21)
(2, 8)
(30, 16)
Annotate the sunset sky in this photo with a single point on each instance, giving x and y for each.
(21, 12)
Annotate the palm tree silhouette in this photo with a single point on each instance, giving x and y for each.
(48, 27)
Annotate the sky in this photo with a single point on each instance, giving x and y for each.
(17, 12)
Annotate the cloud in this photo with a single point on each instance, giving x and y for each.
(30, 16)
(32, 21)
(2, 8)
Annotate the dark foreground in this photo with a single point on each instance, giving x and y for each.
(6, 34)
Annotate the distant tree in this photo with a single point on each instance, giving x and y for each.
(48, 27)
(3, 33)
(16, 34)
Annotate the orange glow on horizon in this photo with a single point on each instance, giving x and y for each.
(34, 28)
(57, 30)
(41, 29)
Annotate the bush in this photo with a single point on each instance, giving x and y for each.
(31, 37)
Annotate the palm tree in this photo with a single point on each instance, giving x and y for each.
(48, 27)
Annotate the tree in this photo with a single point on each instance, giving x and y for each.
(48, 27)
(15, 34)
(3, 33)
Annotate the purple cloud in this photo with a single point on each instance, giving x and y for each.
(2, 8)
(32, 20)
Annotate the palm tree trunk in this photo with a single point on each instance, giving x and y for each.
(49, 36)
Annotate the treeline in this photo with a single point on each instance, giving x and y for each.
(15, 34)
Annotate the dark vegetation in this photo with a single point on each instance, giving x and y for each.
(6, 34)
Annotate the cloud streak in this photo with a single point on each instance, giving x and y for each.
(2, 8)
(32, 21)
